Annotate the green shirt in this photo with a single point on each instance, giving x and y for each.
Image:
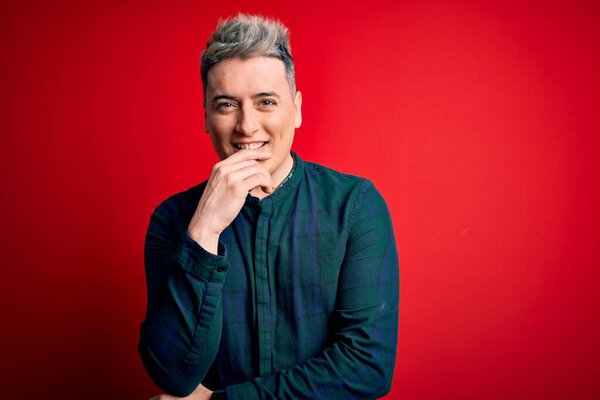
(301, 301)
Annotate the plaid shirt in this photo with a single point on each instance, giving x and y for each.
(301, 301)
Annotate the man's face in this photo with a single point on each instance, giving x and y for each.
(249, 104)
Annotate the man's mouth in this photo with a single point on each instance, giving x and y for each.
(251, 146)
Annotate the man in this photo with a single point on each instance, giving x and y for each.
(276, 278)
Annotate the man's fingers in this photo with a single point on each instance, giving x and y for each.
(226, 169)
(268, 189)
(247, 154)
(253, 181)
(243, 173)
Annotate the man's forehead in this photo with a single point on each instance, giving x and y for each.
(257, 74)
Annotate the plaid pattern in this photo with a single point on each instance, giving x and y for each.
(300, 303)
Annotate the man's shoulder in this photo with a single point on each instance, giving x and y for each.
(183, 202)
(342, 192)
(332, 179)
(334, 191)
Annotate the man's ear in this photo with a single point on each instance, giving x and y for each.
(298, 106)
(205, 125)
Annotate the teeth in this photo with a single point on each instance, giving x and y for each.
(251, 146)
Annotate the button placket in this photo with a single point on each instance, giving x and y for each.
(263, 292)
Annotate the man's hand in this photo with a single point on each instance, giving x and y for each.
(230, 182)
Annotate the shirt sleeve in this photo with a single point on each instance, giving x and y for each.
(359, 361)
(180, 336)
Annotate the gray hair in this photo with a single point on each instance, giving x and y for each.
(248, 36)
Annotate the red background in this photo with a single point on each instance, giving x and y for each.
(478, 121)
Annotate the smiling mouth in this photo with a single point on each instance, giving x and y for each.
(251, 146)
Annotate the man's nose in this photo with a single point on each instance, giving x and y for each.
(247, 123)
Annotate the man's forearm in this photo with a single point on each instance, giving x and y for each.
(180, 337)
(345, 370)
(359, 362)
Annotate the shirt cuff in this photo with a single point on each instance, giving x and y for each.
(202, 264)
(242, 391)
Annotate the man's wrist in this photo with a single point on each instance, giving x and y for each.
(219, 395)
(208, 241)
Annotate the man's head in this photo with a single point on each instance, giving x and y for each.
(248, 36)
(250, 100)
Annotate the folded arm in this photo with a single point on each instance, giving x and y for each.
(181, 334)
(180, 337)
(358, 362)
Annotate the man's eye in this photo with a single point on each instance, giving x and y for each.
(267, 103)
(224, 106)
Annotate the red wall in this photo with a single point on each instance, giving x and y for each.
(478, 121)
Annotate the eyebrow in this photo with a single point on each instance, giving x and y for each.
(222, 97)
(266, 94)
(256, 96)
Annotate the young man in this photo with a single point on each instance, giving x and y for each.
(276, 278)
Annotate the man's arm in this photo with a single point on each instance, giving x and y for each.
(185, 272)
(184, 313)
(359, 362)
